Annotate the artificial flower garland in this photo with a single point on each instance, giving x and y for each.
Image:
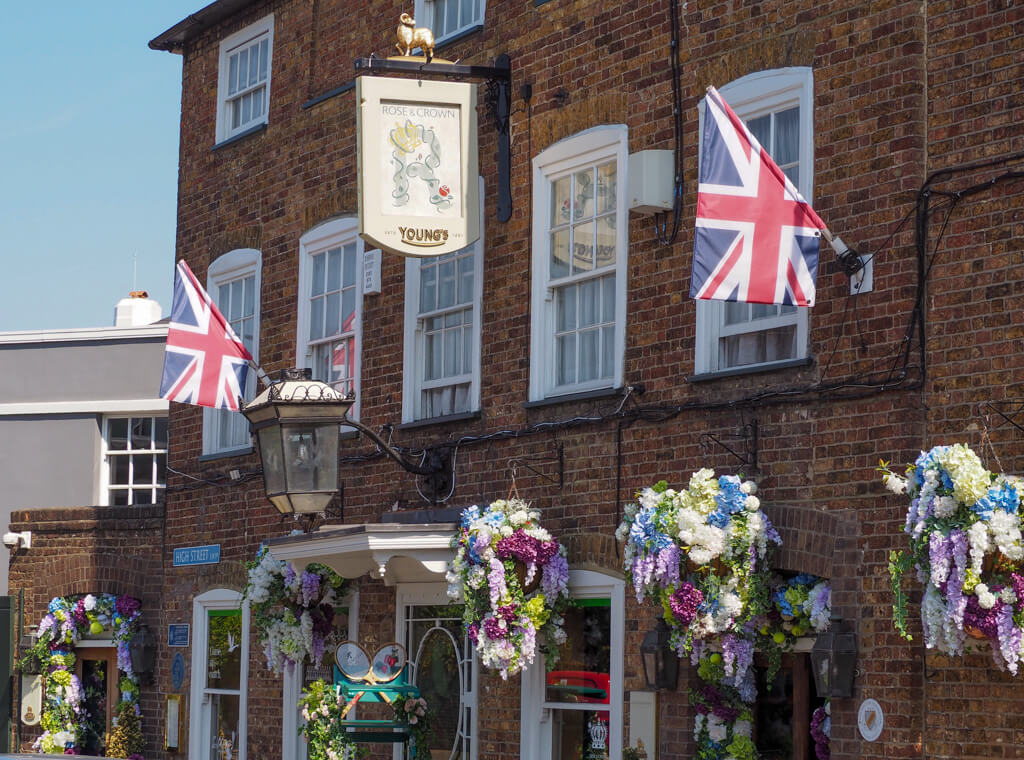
(821, 731)
(965, 544)
(65, 721)
(324, 728)
(293, 611)
(507, 622)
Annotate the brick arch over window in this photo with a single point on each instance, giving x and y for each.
(823, 543)
(592, 551)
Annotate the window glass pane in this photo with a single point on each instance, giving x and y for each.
(560, 254)
(319, 264)
(334, 269)
(736, 313)
(605, 241)
(590, 302)
(608, 298)
(561, 202)
(787, 136)
(428, 286)
(589, 359)
(119, 498)
(316, 318)
(254, 64)
(467, 349)
(249, 299)
(224, 649)
(224, 726)
(243, 68)
(333, 316)
(466, 278)
(761, 128)
(233, 74)
(117, 433)
(350, 265)
(583, 247)
(161, 433)
(237, 299)
(583, 200)
(451, 353)
(607, 351)
(584, 661)
(762, 310)
(142, 469)
(264, 55)
(120, 470)
(432, 357)
(142, 496)
(468, 16)
(565, 359)
(348, 309)
(606, 187)
(161, 468)
(565, 299)
(446, 283)
(236, 113)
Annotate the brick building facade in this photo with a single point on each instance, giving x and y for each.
(897, 107)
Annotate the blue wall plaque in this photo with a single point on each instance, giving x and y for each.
(177, 635)
(197, 555)
(178, 671)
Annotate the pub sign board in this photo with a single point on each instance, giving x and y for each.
(418, 170)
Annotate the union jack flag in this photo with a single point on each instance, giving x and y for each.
(756, 238)
(205, 362)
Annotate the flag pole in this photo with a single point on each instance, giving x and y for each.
(263, 376)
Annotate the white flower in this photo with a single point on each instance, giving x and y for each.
(743, 728)
(748, 487)
(944, 506)
(752, 503)
(986, 599)
(519, 517)
(90, 602)
(1007, 596)
(977, 536)
(894, 482)
(506, 530)
(717, 730)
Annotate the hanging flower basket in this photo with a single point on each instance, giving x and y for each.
(700, 553)
(512, 577)
(293, 611)
(965, 540)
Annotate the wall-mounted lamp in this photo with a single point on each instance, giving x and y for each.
(661, 663)
(296, 422)
(143, 653)
(834, 661)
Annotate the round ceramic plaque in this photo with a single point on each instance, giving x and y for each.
(870, 720)
(388, 662)
(353, 661)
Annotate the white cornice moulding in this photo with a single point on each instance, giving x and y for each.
(47, 408)
(84, 334)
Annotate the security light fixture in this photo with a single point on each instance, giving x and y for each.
(661, 664)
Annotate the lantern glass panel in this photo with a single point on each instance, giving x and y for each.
(273, 461)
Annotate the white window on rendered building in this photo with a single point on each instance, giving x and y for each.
(579, 264)
(243, 92)
(135, 459)
(447, 18)
(441, 373)
(233, 283)
(777, 108)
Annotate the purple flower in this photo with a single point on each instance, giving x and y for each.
(519, 546)
(127, 605)
(667, 565)
(986, 621)
(554, 579)
(79, 613)
(493, 629)
(685, 602)
(473, 632)
(310, 587)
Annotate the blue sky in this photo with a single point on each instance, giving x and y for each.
(88, 158)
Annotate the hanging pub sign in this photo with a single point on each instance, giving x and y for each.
(417, 165)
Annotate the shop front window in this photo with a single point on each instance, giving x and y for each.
(782, 715)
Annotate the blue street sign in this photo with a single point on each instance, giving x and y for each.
(197, 555)
(177, 635)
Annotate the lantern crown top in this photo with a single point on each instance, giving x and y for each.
(298, 386)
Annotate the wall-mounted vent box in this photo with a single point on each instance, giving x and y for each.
(651, 181)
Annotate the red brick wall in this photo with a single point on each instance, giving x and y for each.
(901, 89)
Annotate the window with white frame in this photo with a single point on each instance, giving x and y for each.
(233, 282)
(575, 709)
(135, 459)
(579, 264)
(220, 657)
(346, 616)
(777, 107)
(442, 665)
(441, 373)
(446, 18)
(330, 308)
(243, 93)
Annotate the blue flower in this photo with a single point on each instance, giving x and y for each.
(469, 514)
(730, 497)
(719, 518)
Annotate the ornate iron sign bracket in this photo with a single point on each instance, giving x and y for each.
(498, 99)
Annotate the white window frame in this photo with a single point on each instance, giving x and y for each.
(421, 16)
(234, 265)
(199, 704)
(105, 456)
(293, 745)
(413, 381)
(329, 234)
(436, 594)
(263, 27)
(751, 96)
(587, 148)
(537, 723)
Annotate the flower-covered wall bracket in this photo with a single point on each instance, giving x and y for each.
(964, 531)
(65, 720)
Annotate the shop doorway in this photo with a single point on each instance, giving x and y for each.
(96, 668)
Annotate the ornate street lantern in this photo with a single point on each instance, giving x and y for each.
(661, 664)
(834, 661)
(296, 424)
